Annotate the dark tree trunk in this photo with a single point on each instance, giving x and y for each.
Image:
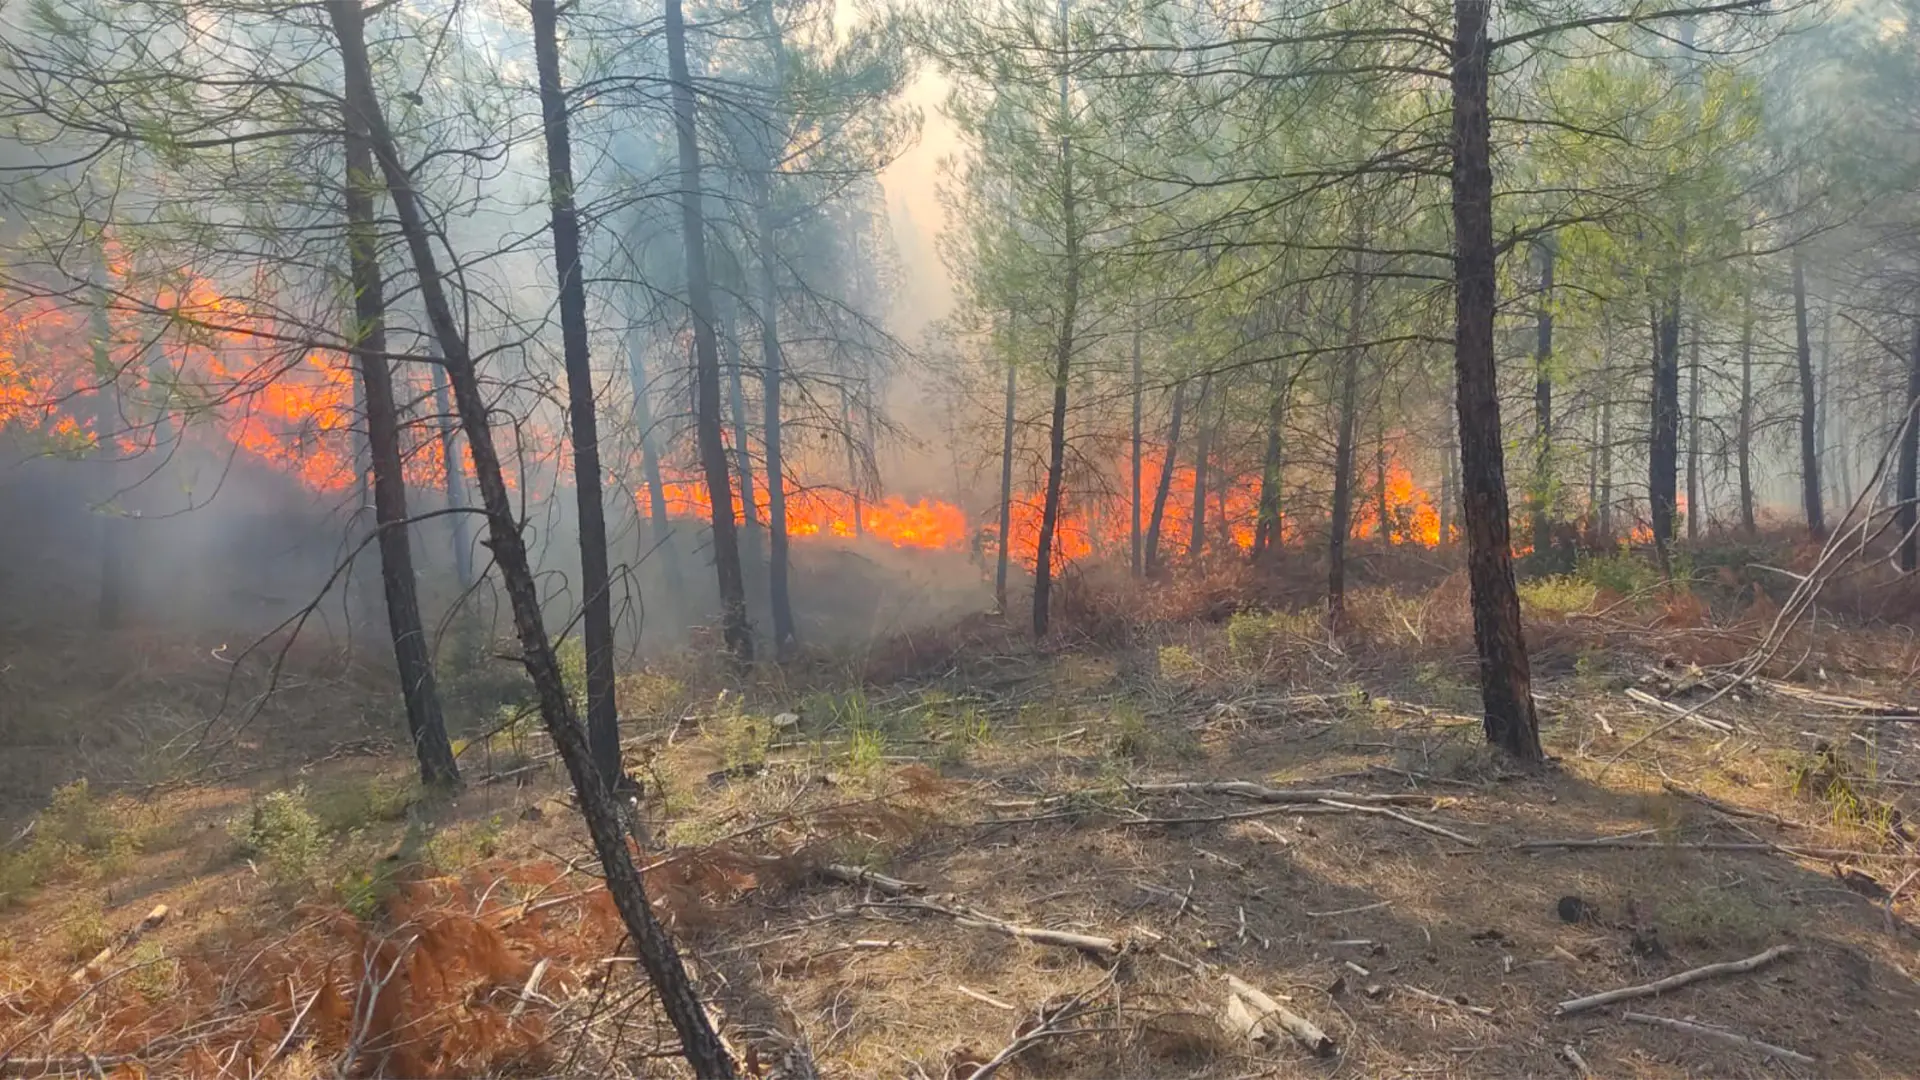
(456, 470)
(603, 716)
(1910, 462)
(1341, 523)
(660, 524)
(411, 655)
(1070, 302)
(1505, 681)
(1823, 435)
(1448, 497)
(1380, 509)
(855, 482)
(701, 1046)
(1006, 497)
(1165, 483)
(1197, 523)
(713, 449)
(107, 423)
(1133, 503)
(1743, 433)
(771, 433)
(1606, 455)
(1809, 405)
(1696, 511)
(1543, 479)
(1663, 447)
(1266, 531)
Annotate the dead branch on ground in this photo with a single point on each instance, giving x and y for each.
(1672, 982)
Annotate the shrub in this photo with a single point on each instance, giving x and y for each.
(1557, 594)
(1622, 573)
(363, 800)
(279, 832)
(1177, 662)
(76, 832)
(1253, 635)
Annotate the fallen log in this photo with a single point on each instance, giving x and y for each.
(1672, 982)
(1261, 793)
(1408, 818)
(1253, 1015)
(92, 968)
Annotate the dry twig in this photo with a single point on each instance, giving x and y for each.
(1722, 1034)
(1672, 982)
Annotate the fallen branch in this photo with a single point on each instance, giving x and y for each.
(853, 875)
(1249, 1012)
(1349, 911)
(1723, 1035)
(92, 968)
(1644, 698)
(1261, 793)
(1408, 818)
(1653, 845)
(966, 916)
(1052, 1024)
(1477, 1010)
(1728, 808)
(1672, 982)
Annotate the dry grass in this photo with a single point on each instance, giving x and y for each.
(1005, 780)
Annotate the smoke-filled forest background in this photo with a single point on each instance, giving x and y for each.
(494, 494)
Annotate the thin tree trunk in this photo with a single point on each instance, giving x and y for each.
(1543, 478)
(771, 433)
(742, 447)
(1505, 680)
(1910, 463)
(713, 450)
(1266, 532)
(1593, 475)
(1165, 483)
(1809, 405)
(1743, 424)
(1663, 452)
(1380, 509)
(660, 524)
(107, 422)
(456, 470)
(1448, 498)
(1133, 503)
(854, 479)
(1057, 440)
(1006, 496)
(675, 990)
(1823, 434)
(1341, 523)
(412, 659)
(1696, 509)
(603, 715)
(1197, 521)
(1606, 452)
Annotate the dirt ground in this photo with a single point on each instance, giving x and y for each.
(908, 861)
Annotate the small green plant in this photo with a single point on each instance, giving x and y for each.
(571, 652)
(84, 933)
(461, 846)
(359, 801)
(866, 749)
(281, 835)
(1557, 594)
(1622, 573)
(1178, 664)
(77, 834)
(152, 972)
(364, 891)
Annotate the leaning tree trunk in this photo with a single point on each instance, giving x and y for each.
(1505, 681)
(1164, 485)
(1341, 523)
(1543, 479)
(1809, 405)
(603, 715)
(713, 448)
(1070, 302)
(1663, 445)
(1743, 424)
(700, 1044)
(1696, 510)
(1006, 496)
(1133, 503)
(412, 658)
(1910, 461)
(1197, 521)
(771, 432)
(1266, 531)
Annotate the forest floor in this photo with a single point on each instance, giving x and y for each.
(910, 860)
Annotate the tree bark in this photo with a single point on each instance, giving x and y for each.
(1165, 484)
(1341, 523)
(701, 1046)
(1381, 511)
(713, 449)
(1070, 301)
(412, 658)
(1696, 511)
(1543, 478)
(1910, 462)
(1505, 680)
(1006, 496)
(742, 444)
(1809, 405)
(1743, 424)
(1197, 521)
(603, 716)
(1663, 452)
(1267, 531)
(660, 524)
(107, 423)
(456, 470)
(771, 377)
(1606, 452)
(1133, 503)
